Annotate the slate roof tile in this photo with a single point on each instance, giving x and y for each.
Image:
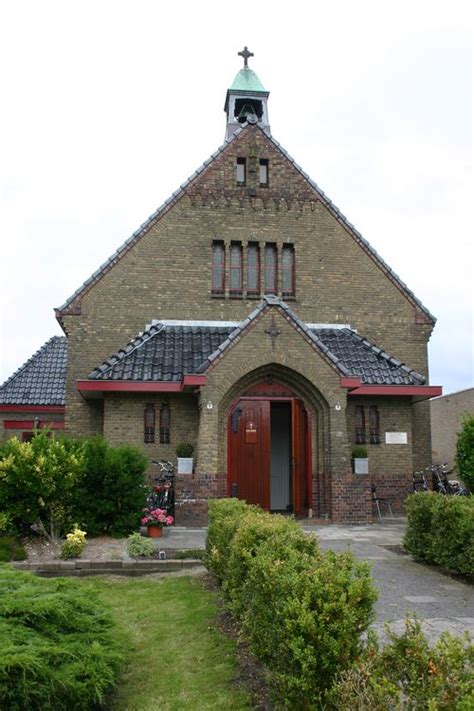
(167, 352)
(41, 380)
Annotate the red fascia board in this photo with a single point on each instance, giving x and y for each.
(30, 424)
(33, 408)
(133, 386)
(420, 391)
(348, 382)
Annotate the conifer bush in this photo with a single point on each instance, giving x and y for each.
(59, 645)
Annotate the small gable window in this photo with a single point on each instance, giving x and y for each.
(271, 273)
(218, 267)
(236, 268)
(360, 437)
(288, 270)
(149, 424)
(253, 269)
(374, 425)
(263, 172)
(241, 171)
(165, 423)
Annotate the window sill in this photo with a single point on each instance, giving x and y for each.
(235, 295)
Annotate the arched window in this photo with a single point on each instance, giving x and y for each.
(165, 424)
(149, 424)
(360, 436)
(374, 425)
(235, 285)
(271, 273)
(253, 269)
(288, 270)
(218, 268)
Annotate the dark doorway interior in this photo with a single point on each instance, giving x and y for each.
(280, 457)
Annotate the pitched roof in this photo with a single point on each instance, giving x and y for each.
(166, 351)
(41, 380)
(70, 303)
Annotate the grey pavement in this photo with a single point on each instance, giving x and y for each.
(405, 587)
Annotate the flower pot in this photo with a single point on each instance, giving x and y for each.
(185, 465)
(155, 531)
(360, 465)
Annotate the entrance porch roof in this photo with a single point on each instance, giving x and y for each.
(174, 355)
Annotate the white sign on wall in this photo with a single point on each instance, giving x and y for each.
(396, 438)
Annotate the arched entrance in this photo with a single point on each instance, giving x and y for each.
(269, 450)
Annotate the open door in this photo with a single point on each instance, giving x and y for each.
(298, 448)
(249, 452)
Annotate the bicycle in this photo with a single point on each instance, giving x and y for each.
(162, 496)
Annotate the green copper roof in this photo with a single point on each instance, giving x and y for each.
(247, 80)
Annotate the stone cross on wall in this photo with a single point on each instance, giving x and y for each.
(245, 54)
(273, 332)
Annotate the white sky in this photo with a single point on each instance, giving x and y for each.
(107, 107)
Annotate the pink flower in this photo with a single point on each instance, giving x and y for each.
(169, 520)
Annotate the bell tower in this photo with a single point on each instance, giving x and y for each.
(246, 100)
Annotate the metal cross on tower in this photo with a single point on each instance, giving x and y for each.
(245, 54)
(273, 332)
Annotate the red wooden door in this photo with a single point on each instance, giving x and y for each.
(298, 448)
(249, 451)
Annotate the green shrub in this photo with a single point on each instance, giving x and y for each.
(38, 482)
(255, 528)
(305, 616)
(184, 449)
(407, 673)
(74, 544)
(440, 529)
(453, 533)
(224, 518)
(59, 644)
(139, 547)
(112, 491)
(359, 452)
(465, 452)
(418, 538)
(11, 549)
(302, 611)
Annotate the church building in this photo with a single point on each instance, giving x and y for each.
(248, 317)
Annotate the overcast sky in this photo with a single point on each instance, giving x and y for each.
(107, 107)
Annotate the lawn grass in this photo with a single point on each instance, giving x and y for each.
(177, 658)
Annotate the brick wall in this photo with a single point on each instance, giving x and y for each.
(167, 274)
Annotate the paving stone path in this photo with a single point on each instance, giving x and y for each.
(405, 587)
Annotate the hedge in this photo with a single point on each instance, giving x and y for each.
(440, 529)
(59, 645)
(302, 611)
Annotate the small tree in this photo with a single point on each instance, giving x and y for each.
(38, 481)
(465, 452)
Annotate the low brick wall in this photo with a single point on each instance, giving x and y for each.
(80, 568)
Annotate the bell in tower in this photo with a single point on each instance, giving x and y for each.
(246, 100)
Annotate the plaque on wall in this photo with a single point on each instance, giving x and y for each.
(396, 438)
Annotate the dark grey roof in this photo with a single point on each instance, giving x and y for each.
(41, 380)
(168, 351)
(181, 191)
(163, 352)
